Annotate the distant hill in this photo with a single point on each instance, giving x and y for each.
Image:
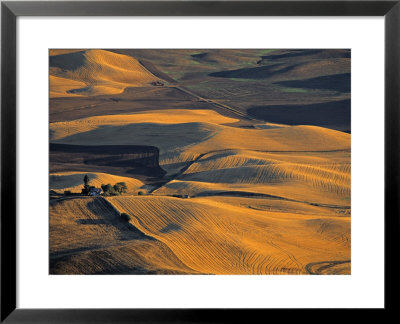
(94, 72)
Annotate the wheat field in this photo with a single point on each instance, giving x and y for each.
(211, 189)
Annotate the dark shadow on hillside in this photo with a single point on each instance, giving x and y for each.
(335, 115)
(199, 55)
(309, 54)
(70, 61)
(336, 82)
(109, 216)
(262, 72)
(80, 90)
(292, 53)
(116, 159)
(203, 57)
(90, 221)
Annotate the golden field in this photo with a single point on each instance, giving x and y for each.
(101, 71)
(237, 195)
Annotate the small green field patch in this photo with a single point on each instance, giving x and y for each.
(291, 90)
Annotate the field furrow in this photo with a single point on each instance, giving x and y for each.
(216, 238)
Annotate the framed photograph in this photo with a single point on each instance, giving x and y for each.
(197, 161)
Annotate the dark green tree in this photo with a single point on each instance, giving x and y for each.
(86, 180)
(120, 187)
(86, 187)
(108, 190)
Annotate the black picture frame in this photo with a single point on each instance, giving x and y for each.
(10, 10)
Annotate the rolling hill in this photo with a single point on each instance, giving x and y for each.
(94, 72)
(215, 237)
(242, 158)
(87, 236)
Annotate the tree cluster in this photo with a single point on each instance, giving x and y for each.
(118, 189)
(108, 190)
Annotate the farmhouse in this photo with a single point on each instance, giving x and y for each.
(94, 192)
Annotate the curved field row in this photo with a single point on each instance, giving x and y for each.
(336, 162)
(270, 204)
(87, 236)
(238, 168)
(287, 139)
(324, 178)
(329, 267)
(173, 162)
(180, 143)
(101, 72)
(214, 237)
(174, 116)
(289, 192)
(331, 229)
(210, 136)
(272, 173)
(73, 181)
(136, 257)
